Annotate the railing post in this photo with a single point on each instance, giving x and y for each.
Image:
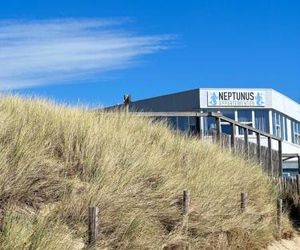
(280, 157)
(299, 164)
(219, 129)
(258, 149)
(233, 138)
(270, 158)
(246, 142)
(92, 226)
(298, 183)
(198, 126)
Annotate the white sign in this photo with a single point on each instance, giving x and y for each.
(235, 99)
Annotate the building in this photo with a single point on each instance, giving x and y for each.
(264, 109)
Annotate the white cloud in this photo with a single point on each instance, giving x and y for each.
(36, 53)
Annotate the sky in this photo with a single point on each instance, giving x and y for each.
(93, 52)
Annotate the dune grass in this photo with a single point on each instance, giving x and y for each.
(56, 161)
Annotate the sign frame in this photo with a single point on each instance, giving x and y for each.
(228, 98)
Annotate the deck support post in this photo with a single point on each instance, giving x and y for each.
(246, 141)
(280, 158)
(270, 156)
(258, 149)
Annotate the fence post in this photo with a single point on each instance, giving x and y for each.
(280, 184)
(186, 202)
(279, 217)
(244, 201)
(92, 226)
(185, 208)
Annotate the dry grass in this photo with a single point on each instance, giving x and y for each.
(57, 161)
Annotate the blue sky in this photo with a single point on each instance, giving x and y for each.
(92, 52)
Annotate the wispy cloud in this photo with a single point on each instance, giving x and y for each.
(34, 53)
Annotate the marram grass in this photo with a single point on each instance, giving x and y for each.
(56, 161)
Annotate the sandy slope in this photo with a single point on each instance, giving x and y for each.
(286, 245)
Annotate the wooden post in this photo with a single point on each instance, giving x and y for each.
(219, 129)
(244, 201)
(233, 138)
(258, 149)
(280, 184)
(298, 183)
(185, 202)
(299, 164)
(246, 141)
(279, 217)
(198, 126)
(270, 157)
(93, 226)
(280, 158)
(185, 210)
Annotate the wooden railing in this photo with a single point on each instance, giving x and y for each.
(268, 157)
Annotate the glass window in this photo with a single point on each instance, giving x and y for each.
(209, 124)
(245, 117)
(227, 127)
(192, 124)
(228, 113)
(296, 132)
(182, 123)
(262, 120)
(172, 121)
(279, 125)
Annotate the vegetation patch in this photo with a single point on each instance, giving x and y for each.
(56, 161)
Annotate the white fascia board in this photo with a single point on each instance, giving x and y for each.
(285, 105)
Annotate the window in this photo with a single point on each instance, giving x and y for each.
(182, 123)
(279, 125)
(179, 122)
(227, 127)
(245, 117)
(172, 120)
(228, 113)
(296, 132)
(262, 120)
(210, 122)
(209, 125)
(192, 124)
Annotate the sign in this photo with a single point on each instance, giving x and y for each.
(235, 99)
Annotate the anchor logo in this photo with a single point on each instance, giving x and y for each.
(259, 99)
(214, 99)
